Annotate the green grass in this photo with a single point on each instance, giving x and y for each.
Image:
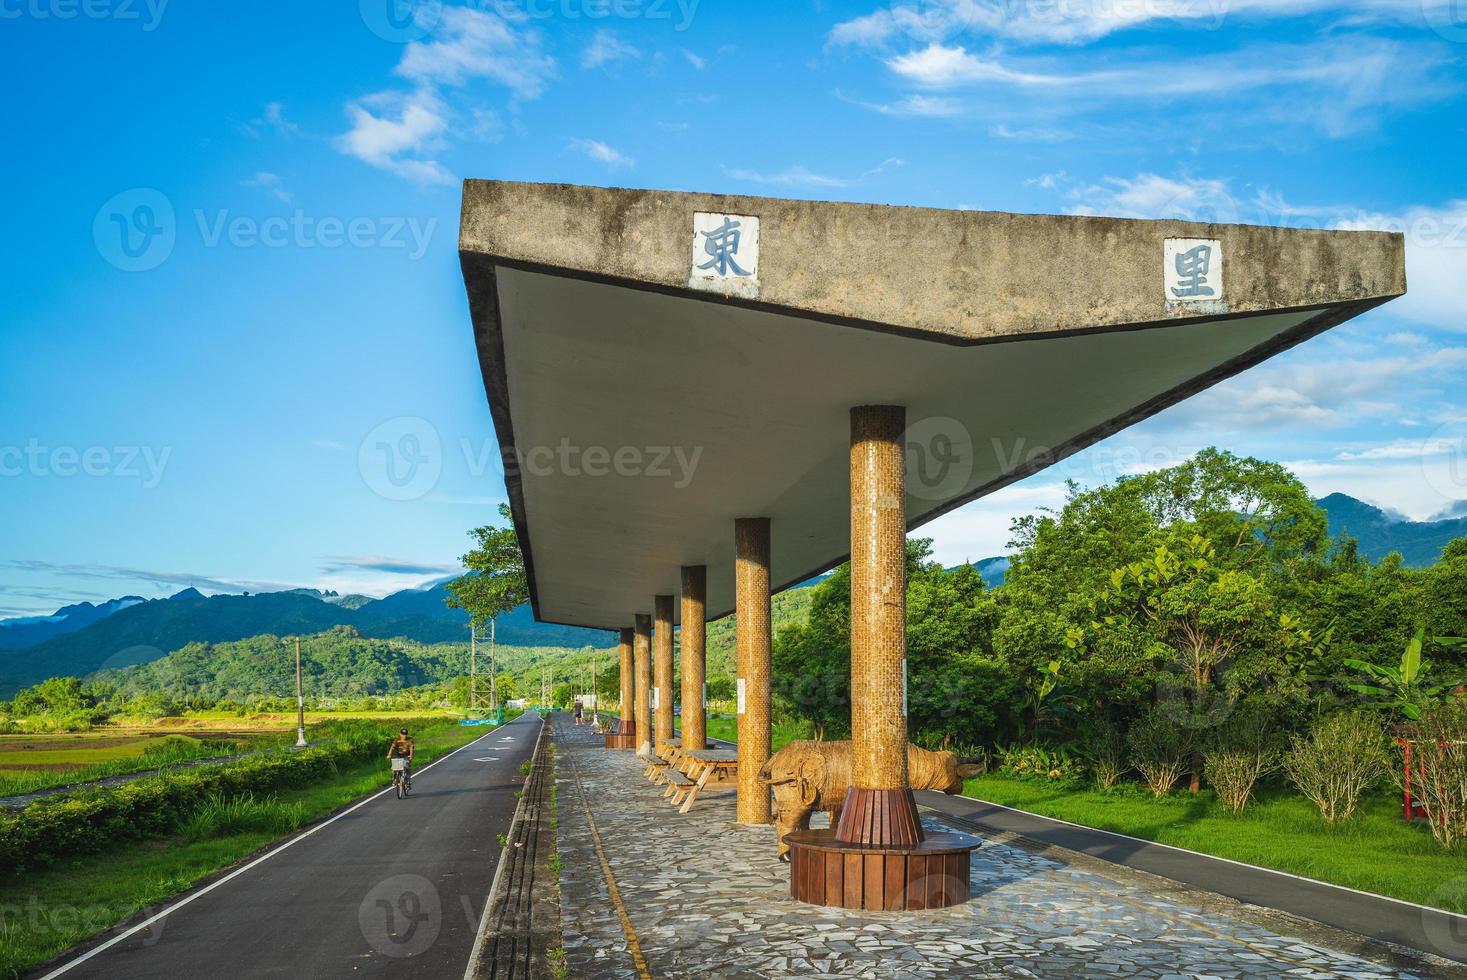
(62, 760)
(1376, 851)
(43, 913)
(780, 734)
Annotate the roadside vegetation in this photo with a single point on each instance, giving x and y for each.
(32, 763)
(54, 898)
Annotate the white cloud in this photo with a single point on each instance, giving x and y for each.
(607, 49)
(801, 176)
(1345, 81)
(695, 60)
(1152, 196)
(402, 132)
(392, 131)
(1081, 21)
(601, 152)
(1324, 392)
(273, 118)
(982, 529)
(271, 184)
(1436, 260)
(929, 106)
(470, 44)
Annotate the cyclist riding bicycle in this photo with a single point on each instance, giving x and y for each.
(402, 748)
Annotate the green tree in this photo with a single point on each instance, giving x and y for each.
(495, 582)
(1407, 688)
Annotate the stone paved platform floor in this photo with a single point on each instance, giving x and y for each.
(706, 896)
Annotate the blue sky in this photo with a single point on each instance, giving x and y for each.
(189, 406)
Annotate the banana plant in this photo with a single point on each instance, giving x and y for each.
(1405, 688)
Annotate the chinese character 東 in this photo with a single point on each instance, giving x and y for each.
(723, 245)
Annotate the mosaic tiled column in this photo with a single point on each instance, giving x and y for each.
(662, 697)
(623, 735)
(642, 651)
(879, 807)
(877, 858)
(751, 611)
(694, 656)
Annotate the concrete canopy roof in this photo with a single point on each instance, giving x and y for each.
(640, 415)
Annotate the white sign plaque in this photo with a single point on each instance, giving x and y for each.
(1192, 275)
(725, 254)
(656, 697)
(741, 695)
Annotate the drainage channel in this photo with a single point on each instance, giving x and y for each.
(522, 921)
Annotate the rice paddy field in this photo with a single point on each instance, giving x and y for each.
(33, 762)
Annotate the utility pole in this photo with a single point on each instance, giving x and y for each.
(300, 700)
(493, 674)
(595, 695)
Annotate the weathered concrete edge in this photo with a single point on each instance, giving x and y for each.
(959, 276)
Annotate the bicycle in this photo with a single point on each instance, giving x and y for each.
(402, 780)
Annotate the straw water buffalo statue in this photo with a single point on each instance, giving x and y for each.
(809, 776)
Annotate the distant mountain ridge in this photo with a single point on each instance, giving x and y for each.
(17, 634)
(1380, 532)
(147, 630)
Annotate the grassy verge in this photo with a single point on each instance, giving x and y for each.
(780, 734)
(45, 912)
(1376, 851)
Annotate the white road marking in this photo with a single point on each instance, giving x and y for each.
(235, 874)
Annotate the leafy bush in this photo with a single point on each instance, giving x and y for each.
(1107, 756)
(1342, 757)
(1158, 750)
(1041, 762)
(220, 816)
(1243, 752)
(1439, 770)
